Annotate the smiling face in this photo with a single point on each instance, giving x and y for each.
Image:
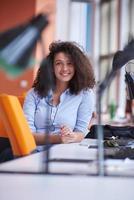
(63, 68)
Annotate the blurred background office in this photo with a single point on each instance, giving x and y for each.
(100, 26)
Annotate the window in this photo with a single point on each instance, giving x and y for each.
(109, 31)
(81, 23)
(131, 18)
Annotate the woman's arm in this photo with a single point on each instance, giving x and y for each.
(84, 114)
(40, 138)
(85, 111)
(63, 137)
(29, 108)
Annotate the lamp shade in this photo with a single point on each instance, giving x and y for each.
(120, 59)
(17, 44)
(129, 79)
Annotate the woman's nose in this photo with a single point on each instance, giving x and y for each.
(65, 67)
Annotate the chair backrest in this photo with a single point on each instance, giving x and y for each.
(18, 131)
(3, 132)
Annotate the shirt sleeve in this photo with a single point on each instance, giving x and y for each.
(85, 110)
(29, 108)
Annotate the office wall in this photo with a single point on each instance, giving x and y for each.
(12, 13)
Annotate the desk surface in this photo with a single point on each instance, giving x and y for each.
(57, 187)
(14, 187)
(35, 162)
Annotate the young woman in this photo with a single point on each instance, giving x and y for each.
(61, 101)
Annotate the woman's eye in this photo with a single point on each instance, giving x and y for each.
(58, 63)
(70, 64)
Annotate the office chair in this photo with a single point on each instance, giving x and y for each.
(4, 140)
(17, 129)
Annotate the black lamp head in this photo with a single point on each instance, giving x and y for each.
(17, 44)
(129, 79)
(123, 57)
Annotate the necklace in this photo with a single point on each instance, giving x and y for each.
(49, 101)
(52, 126)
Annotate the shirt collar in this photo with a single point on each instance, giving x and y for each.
(50, 94)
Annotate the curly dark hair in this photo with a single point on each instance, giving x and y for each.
(84, 74)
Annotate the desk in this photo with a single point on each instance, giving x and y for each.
(57, 187)
(33, 187)
(34, 163)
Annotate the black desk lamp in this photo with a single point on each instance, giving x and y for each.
(17, 44)
(16, 47)
(120, 59)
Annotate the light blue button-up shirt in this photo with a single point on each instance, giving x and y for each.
(74, 111)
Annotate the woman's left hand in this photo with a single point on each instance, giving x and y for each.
(68, 136)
